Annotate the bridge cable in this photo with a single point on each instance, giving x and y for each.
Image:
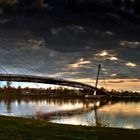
(10, 59)
(19, 65)
(5, 71)
(27, 65)
(104, 79)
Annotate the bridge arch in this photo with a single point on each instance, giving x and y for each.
(46, 80)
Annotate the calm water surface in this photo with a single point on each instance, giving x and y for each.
(76, 112)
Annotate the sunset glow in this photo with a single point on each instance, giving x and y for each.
(131, 64)
(70, 51)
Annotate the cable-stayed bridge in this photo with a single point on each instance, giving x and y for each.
(46, 80)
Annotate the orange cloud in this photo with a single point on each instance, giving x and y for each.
(117, 84)
(130, 64)
(79, 63)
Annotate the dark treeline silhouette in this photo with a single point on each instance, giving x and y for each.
(122, 94)
(61, 92)
(49, 92)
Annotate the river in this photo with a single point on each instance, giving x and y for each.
(75, 111)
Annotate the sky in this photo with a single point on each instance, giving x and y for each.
(71, 48)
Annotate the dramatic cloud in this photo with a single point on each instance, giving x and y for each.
(113, 75)
(131, 64)
(107, 55)
(103, 53)
(72, 49)
(113, 58)
(130, 44)
(81, 63)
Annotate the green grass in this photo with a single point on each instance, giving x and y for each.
(12, 128)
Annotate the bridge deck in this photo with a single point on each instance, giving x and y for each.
(43, 79)
(46, 80)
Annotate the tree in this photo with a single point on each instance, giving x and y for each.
(8, 84)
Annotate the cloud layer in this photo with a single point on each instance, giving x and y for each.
(56, 47)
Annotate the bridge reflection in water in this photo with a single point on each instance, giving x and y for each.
(53, 110)
(86, 108)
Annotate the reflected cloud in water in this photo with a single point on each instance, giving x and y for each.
(76, 112)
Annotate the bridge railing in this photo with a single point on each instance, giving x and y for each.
(46, 80)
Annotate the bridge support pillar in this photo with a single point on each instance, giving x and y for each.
(97, 78)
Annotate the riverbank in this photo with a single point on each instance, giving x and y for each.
(13, 128)
(49, 96)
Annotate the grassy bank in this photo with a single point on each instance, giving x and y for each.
(12, 128)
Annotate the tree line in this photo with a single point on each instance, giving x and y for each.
(49, 92)
(61, 92)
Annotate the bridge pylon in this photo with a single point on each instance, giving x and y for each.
(97, 78)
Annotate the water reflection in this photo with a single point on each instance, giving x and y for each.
(74, 111)
(121, 114)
